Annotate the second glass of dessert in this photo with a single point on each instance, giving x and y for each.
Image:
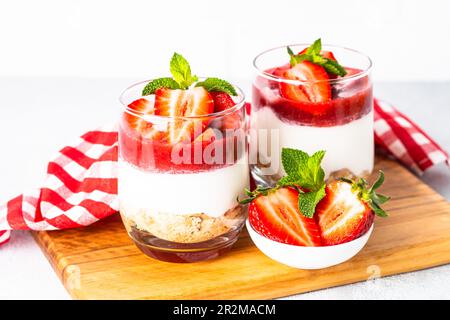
(312, 97)
(182, 163)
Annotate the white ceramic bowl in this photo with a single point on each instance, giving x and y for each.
(308, 257)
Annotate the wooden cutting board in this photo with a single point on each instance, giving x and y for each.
(101, 262)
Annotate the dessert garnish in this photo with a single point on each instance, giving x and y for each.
(303, 173)
(182, 95)
(302, 209)
(182, 78)
(315, 55)
(315, 68)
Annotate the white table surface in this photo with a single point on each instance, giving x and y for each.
(40, 115)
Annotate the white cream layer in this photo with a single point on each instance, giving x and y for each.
(349, 146)
(211, 192)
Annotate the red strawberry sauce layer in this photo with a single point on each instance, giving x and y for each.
(347, 104)
(156, 155)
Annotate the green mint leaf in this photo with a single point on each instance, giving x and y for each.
(318, 59)
(297, 58)
(300, 58)
(334, 67)
(286, 181)
(316, 170)
(313, 54)
(315, 48)
(308, 201)
(153, 85)
(181, 71)
(216, 84)
(305, 170)
(294, 162)
(290, 52)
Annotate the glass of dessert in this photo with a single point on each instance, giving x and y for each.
(183, 161)
(312, 97)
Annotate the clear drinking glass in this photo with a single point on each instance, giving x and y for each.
(342, 126)
(178, 196)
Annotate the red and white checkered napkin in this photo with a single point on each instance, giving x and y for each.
(81, 183)
(404, 140)
(80, 188)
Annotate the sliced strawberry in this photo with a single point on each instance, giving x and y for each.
(293, 92)
(342, 216)
(316, 88)
(200, 103)
(325, 54)
(183, 103)
(141, 107)
(222, 102)
(328, 54)
(279, 71)
(170, 103)
(207, 136)
(276, 216)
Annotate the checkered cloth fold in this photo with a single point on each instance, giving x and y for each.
(81, 183)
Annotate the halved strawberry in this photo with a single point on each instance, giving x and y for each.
(141, 107)
(342, 216)
(170, 103)
(222, 102)
(207, 136)
(184, 103)
(293, 92)
(316, 87)
(279, 71)
(328, 54)
(277, 217)
(325, 54)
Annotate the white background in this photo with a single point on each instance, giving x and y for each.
(407, 39)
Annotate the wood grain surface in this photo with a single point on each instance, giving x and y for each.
(101, 262)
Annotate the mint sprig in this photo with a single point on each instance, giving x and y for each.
(302, 168)
(307, 201)
(305, 173)
(154, 85)
(313, 54)
(182, 76)
(216, 84)
(369, 195)
(183, 79)
(181, 71)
